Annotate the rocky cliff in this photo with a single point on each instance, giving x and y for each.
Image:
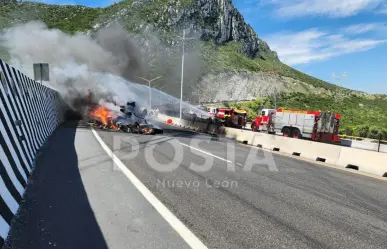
(215, 20)
(220, 21)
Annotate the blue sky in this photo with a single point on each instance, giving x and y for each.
(340, 41)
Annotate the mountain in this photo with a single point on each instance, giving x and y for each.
(227, 60)
(228, 42)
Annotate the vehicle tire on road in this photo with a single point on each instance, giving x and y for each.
(296, 134)
(253, 127)
(286, 132)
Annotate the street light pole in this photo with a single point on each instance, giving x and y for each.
(150, 92)
(182, 72)
(182, 77)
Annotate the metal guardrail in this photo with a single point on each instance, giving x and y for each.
(363, 139)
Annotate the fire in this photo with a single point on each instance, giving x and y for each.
(147, 131)
(104, 115)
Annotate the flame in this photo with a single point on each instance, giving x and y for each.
(104, 115)
(147, 131)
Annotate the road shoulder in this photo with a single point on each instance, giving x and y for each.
(76, 198)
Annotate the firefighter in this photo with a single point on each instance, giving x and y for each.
(258, 122)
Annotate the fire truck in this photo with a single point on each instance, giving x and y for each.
(314, 125)
(230, 117)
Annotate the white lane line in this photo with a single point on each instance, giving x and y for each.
(207, 153)
(239, 164)
(176, 224)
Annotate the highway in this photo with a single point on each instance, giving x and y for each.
(290, 204)
(300, 206)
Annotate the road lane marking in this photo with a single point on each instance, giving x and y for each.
(240, 164)
(207, 153)
(176, 224)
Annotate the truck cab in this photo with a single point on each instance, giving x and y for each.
(264, 120)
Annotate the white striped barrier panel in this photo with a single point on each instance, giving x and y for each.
(29, 114)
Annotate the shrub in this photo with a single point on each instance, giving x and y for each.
(348, 131)
(384, 133)
(362, 131)
(374, 133)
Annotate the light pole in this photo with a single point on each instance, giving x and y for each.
(150, 92)
(182, 72)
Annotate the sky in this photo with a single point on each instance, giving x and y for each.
(339, 41)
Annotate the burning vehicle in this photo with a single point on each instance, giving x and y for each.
(129, 118)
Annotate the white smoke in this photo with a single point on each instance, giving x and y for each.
(106, 63)
(77, 63)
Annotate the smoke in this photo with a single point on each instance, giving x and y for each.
(107, 62)
(79, 62)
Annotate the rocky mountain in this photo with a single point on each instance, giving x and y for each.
(213, 20)
(226, 60)
(224, 42)
(220, 21)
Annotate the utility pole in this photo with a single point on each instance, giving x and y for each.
(182, 72)
(150, 91)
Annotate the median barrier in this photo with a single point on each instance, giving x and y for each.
(366, 161)
(266, 141)
(243, 136)
(363, 160)
(315, 151)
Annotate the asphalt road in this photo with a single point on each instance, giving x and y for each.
(77, 199)
(286, 204)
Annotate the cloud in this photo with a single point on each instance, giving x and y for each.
(363, 28)
(316, 45)
(383, 9)
(331, 8)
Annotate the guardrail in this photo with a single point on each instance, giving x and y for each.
(29, 113)
(363, 160)
(363, 139)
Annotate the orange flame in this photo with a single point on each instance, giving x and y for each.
(104, 115)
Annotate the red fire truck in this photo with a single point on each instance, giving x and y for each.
(315, 125)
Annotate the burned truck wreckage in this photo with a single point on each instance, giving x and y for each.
(110, 115)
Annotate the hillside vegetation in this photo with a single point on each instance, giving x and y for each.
(358, 109)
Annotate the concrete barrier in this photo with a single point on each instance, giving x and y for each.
(266, 141)
(311, 150)
(363, 160)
